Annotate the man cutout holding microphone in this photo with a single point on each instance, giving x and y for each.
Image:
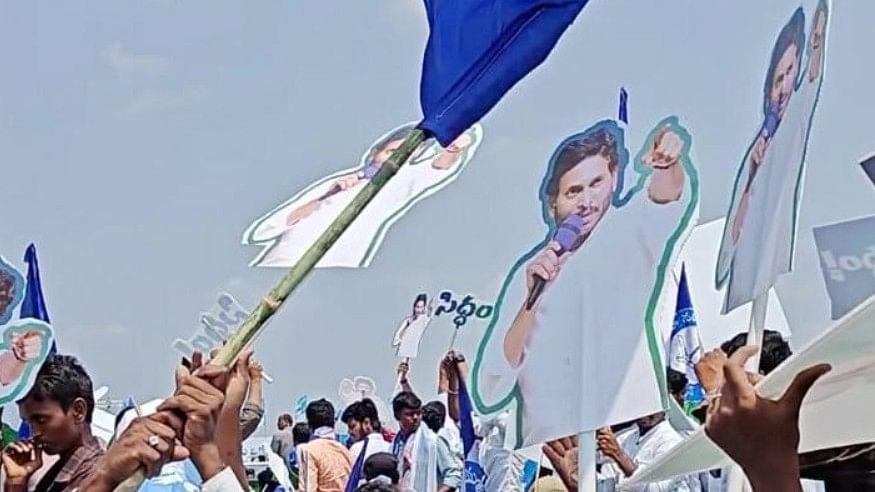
(569, 334)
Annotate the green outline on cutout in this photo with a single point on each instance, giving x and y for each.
(670, 252)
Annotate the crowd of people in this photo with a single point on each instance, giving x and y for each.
(193, 440)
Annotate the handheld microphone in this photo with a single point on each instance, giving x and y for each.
(773, 119)
(566, 235)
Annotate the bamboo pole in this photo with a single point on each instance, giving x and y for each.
(278, 295)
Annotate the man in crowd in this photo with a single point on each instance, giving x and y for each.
(253, 410)
(282, 442)
(325, 465)
(434, 415)
(365, 430)
(640, 445)
(300, 436)
(425, 461)
(58, 408)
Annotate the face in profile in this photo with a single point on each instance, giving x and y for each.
(784, 79)
(586, 190)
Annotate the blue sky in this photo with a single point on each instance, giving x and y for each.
(138, 140)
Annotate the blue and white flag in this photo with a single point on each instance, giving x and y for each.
(685, 345)
(301, 407)
(33, 306)
(478, 50)
(475, 476)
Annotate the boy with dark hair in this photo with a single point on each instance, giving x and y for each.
(363, 421)
(58, 409)
(417, 447)
(325, 464)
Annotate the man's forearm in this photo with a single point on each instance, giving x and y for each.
(666, 185)
(626, 464)
(517, 336)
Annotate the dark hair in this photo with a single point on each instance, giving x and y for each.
(350, 413)
(300, 433)
(382, 464)
(62, 379)
(792, 34)
(423, 298)
(399, 134)
(320, 413)
(376, 487)
(775, 349)
(361, 410)
(598, 142)
(677, 381)
(286, 418)
(434, 414)
(405, 400)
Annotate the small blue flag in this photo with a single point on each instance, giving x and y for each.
(478, 50)
(685, 348)
(624, 106)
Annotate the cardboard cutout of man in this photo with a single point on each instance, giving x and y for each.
(289, 230)
(760, 232)
(573, 341)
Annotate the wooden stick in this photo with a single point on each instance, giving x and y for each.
(278, 295)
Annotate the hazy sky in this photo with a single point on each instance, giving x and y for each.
(139, 139)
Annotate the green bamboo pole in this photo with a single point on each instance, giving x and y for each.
(278, 295)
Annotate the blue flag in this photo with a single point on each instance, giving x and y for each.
(685, 347)
(358, 469)
(623, 111)
(475, 476)
(478, 49)
(33, 306)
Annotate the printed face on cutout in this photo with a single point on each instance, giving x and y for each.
(586, 190)
(784, 79)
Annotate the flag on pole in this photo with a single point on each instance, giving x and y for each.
(301, 407)
(685, 345)
(623, 112)
(33, 306)
(358, 468)
(475, 475)
(478, 50)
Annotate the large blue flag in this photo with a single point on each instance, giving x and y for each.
(33, 306)
(685, 344)
(478, 49)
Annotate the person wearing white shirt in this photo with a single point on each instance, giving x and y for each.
(363, 422)
(641, 445)
(580, 352)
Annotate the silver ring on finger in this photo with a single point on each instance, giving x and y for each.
(154, 441)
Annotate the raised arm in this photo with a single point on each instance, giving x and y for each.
(664, 157)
